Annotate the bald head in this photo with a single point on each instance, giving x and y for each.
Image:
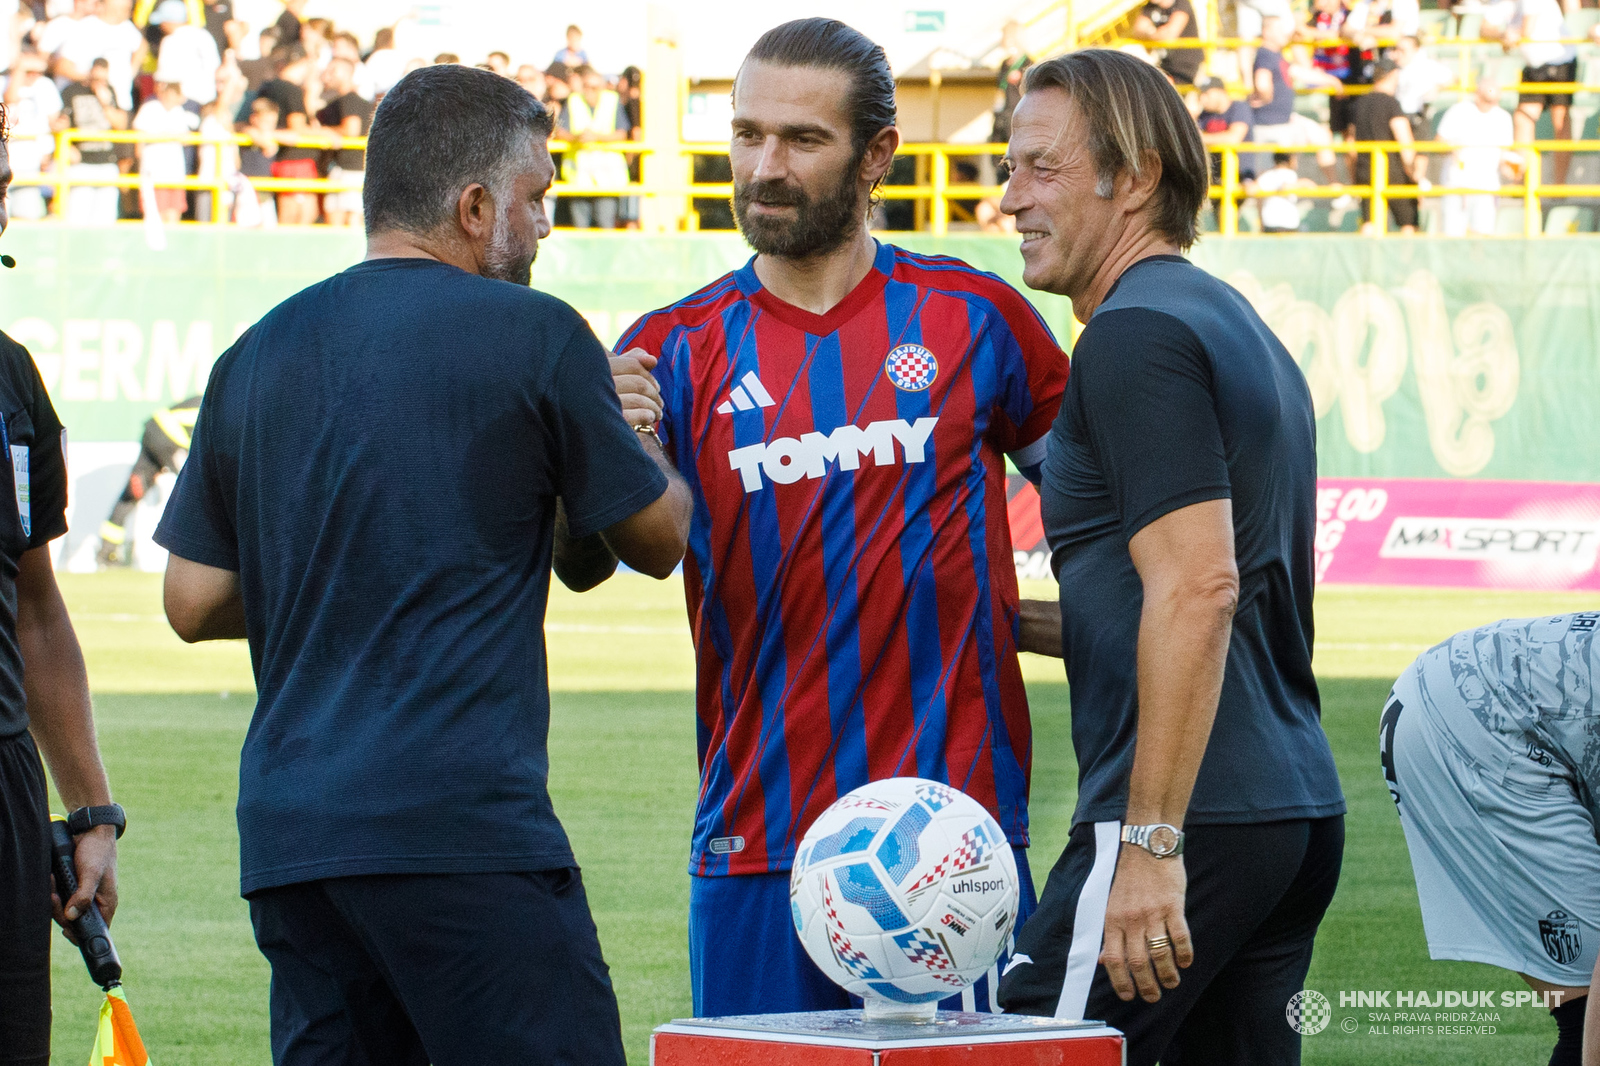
(1487, 92)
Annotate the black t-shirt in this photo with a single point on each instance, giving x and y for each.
(257, 72)
(1372, 115)
(33, 505)
(1179, 394)
(379, 459)
(291, 100)
(334, 114)
(83, 107)
(288, 27)
(1182, 63)
(218, 12)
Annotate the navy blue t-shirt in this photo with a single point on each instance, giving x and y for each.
(1180, 394)
(1281, 107)
(379, 458)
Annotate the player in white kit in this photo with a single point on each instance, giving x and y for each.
(1490, 743)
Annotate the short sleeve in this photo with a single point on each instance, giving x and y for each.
(47, 466)
(1032, 376)
(601, 469)
(200, 523)
(1144, 387)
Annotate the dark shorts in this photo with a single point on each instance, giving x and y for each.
(744, 956)
(1341, 113)
(1404, 211)
(1551, 72)
(448, 969)
(1255, 898)
(24, 906)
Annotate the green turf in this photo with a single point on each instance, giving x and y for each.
(172, 717)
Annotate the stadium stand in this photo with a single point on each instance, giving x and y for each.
(83, 95)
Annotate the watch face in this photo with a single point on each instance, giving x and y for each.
(1163, 840)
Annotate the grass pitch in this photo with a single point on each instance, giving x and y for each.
(172, 718)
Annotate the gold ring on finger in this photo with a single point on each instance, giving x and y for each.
(1158, 943)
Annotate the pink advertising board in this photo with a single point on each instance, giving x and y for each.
(1465, 533)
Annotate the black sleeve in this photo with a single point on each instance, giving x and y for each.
(1144, 383)
(47, 463)
(601, 470)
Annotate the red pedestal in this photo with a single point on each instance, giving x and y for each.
(844, 1038)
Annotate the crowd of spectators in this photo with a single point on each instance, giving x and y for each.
(296, 106)
(1367, 59)
(285, 111)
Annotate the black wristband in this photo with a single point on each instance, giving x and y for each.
(84, 819)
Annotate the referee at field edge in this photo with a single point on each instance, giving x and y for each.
(44, 707)
(1178, 498)
(371, 497)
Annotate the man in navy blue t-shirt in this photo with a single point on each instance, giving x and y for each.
(373, 494)
(1178, 496)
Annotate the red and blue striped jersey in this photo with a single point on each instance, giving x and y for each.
(850, 580)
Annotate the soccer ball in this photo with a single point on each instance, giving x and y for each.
(904, 890)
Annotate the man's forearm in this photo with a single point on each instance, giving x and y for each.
(1040, 628)
(1182, 651)
(57, 687)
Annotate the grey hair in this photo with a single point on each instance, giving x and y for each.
(439, 130)
(1131, 111)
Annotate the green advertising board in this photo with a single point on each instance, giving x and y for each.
(1425, 358)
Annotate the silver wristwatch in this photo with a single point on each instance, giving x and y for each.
(1161, 840)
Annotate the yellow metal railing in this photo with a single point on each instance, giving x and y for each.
(1463, 58)
(1230, 193)
(933, 190)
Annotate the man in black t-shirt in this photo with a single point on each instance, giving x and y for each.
(385, 471)
(289, 22)
(1379, 117)
(1179, 500)
(1167, 20)
(51, 716)
(349, 115)
(287, 90)
(92, 105)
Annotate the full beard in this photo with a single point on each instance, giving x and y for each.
(820, 225)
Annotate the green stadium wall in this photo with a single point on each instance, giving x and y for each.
(1426, 358)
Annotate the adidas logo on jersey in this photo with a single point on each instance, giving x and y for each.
(786, 460)
(746, 396)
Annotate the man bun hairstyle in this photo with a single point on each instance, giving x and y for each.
(828, 44)
(439, 130)
(1128, 110)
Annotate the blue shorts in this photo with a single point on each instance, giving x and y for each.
(745, 958)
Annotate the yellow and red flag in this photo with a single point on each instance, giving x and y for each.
(117, 1043)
